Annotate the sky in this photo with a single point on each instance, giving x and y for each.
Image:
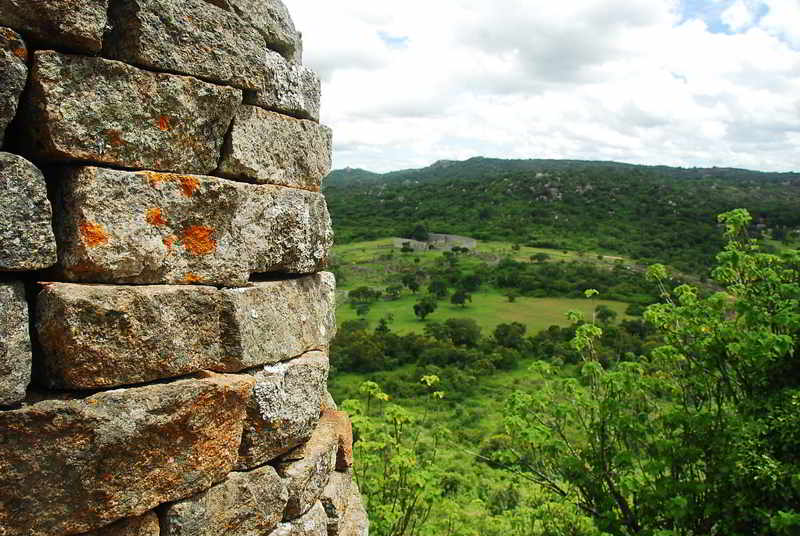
(676, 82)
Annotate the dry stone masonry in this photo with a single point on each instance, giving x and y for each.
(165, 316)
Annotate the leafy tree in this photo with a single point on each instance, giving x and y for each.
(511, 294)
(604, 314)
(363, 295)
(510, 335)
(425, 307)
(393, 292)
(461, 298)
(701, 436)
(410, 282)
(438, 287)
(540, 257)
(362, 309)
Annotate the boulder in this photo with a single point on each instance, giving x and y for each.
(344, 437)
(92, 109)
(355, 521)
(287, 87)
(99, 336)
(26, 228)
(313, 523)
(272, 20)
(143, 525)
(122, 227)
(307, 470)
(267, 147)
(70, 24)
(15, 344)
(336, 498)
(284, 408)
(244, 504)
(71, 466)
(13, 73)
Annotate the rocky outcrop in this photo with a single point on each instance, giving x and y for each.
(95, 110)
(15, 344)
(297, 153)
(147, 227)
(164, 320)
(95, 336)
(76, 465)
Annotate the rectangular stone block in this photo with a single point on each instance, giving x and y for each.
(70, 466)
(154, 228)
(286, 87)
(96, 336)
(266, 147)
(284, 408)
(336, 499)
(15, 344)
(272, 20)
(312, 523)
(13, 73)
(70, 24)
(26, 217)
(244, 504)
(91, 109)
(143, 525)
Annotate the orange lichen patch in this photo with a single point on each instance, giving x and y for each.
(115, 137)
(198, 240)
(193, 278)
(21, 53)
(169, 241)
(188, 185)
(163, 123)
(93, 234)
(155, 216)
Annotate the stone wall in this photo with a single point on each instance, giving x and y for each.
(164, 316)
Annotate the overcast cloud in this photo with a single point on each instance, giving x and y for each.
(689, 82)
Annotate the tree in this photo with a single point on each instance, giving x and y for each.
(511, 294)
(700, 437)
(425, 307)
(438, 287)
(540, 257)
(460, 297)
(393, 292)
(363, 295)
(510, 335)
(604, 314)
(420, 233)
(410, 282)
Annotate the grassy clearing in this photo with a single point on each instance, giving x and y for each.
(488, 309)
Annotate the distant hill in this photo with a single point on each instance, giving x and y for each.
(657, 213)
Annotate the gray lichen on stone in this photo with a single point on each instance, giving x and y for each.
(13, 73)
(69, 24)
(15, 344)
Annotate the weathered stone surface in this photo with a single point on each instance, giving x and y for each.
(76, 465)
(336, 498)
(245, 504)
(95, 336)
(287, 87)
(328, 402)
(97, 110)
(267, 147)
(344, 437)
(355, 521)
(143, 525)
(307, 470)
(313, 523)
(26, 228)
(13, 73)
(272, 20)
(15, 344)
(72, 24)
(122, 227)
(284, 408)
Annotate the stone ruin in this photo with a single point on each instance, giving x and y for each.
(164, 316)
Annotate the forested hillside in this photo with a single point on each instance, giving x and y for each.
(651, 213)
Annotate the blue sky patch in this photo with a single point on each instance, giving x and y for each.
(711, 11)
(394, 41)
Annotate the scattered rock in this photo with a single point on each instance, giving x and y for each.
(313, 523)
(284, 408)
(307, 470)
(99, 336)
(13, 73)
(70, 466)
(71, 24)
(97, 110)
(267, 147)
(144, 525)
(287, 87)
(15, 344)
(26, 228)
(123, 227)
(244, 504)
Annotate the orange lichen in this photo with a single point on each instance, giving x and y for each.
(163, 123)
(115, 137)
(169, 241)
(155, 216)
(193, 278)
(93, 234)
(188, 185)
(21, 53)
(198, 240)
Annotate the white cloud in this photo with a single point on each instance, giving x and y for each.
(409, 83)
